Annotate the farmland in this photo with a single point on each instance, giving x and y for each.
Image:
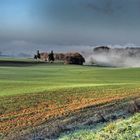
(32, 93)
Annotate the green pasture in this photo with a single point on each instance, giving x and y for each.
(26, 84)
(44, 77)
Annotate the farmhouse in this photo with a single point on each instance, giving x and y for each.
(44, 56)
(67, 58)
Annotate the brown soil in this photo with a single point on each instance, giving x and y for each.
(43, 112)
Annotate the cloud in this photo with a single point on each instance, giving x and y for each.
(26, 48)
(71, 22)
(107, 7)
(118, 56)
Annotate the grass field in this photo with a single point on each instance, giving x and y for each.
(32, 94)
(34, 79)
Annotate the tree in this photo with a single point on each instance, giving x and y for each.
(38, 54)
(35, 56)
(51, 57)
(101, 49)
(74, 58)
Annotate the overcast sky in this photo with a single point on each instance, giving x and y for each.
(26, 25)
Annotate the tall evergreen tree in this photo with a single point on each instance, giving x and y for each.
(51, 57)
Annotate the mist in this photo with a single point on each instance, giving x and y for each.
(27, 49)
(115, 57)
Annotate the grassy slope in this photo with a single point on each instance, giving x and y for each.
(128, 129)
(54, 86)
(20, 80)
(58, 83)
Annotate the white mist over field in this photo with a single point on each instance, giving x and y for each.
(127, 56)
(117, 56)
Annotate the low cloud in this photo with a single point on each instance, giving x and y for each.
(106, 9)
(116, 57)
(22, 48)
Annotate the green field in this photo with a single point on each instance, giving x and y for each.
(40, 78)
(39, 88)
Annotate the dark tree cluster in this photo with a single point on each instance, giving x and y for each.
(74, 58)
(101, 49)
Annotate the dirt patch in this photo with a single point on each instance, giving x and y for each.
(43, 112)
(49, 120)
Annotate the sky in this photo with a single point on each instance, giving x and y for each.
(67, 25)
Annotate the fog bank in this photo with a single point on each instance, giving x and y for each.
(115, 57)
